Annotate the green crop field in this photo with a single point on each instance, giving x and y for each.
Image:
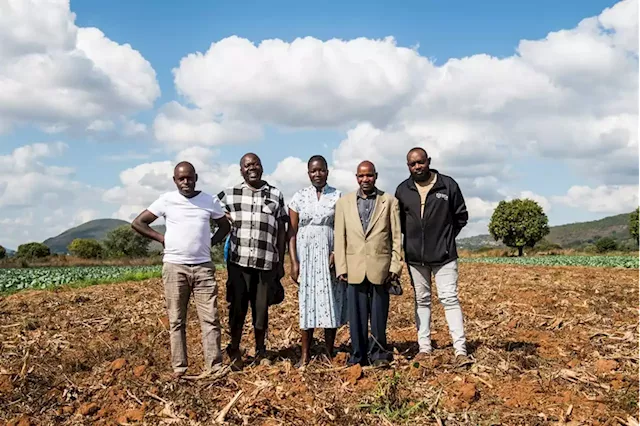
(14, 279)
(596, 261)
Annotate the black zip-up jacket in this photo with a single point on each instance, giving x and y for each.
(431, 240)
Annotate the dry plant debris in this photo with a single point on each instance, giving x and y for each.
(553, 345)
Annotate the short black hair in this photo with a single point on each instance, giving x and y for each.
(318, 158)
(417, 148)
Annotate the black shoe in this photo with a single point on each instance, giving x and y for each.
(235, 359)
(381, 363)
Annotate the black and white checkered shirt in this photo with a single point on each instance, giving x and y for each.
(255, 218)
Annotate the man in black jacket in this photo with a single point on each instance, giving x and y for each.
(432, 214)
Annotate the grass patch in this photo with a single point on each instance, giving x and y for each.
(391, 400)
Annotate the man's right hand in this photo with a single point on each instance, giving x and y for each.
(295, 271)
(343, 277)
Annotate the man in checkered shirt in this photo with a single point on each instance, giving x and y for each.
(256, 252)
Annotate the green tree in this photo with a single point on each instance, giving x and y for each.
(31, 250)
(3, 252)
(606, 244)
(633, 223)
(519, 223)
(85, 248)
(125, 242)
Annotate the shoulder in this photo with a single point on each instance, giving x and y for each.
(345, 198)
(273, 191)
(301, 192)
(334, 192)
(403, 186)
(389, 197)
(167, 196)
(231, 190)
(448, 181)
(209, 198)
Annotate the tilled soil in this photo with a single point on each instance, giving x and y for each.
(551, 346)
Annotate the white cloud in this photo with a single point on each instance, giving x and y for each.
(307, 82)
(59, 76)
(601, 199)
(38, 199)
(479, 208)
(179, 126)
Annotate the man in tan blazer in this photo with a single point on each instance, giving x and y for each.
(368, 255)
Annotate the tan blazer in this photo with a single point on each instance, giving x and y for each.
(372, 254)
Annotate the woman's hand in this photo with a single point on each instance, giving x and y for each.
(332, 263)
(295, 271)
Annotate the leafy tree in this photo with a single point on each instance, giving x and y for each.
(519, 223)
(31, 250)
(85, 248)
(633, 223)
(3, 252)
(606, 244)
(125, 242)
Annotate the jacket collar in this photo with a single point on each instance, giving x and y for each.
(438, 184)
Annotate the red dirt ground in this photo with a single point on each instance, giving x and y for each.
(552, 346)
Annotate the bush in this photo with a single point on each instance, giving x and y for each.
(606, 244)
(3, 252)
(125, 242)
(86, 248)
(33, 250)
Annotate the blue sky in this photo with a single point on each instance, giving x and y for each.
(469, 88)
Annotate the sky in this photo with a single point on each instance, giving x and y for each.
(99, 101)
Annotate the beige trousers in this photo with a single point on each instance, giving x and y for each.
(179, 282)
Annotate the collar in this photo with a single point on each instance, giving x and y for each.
(438, 184)
(246, 186)
(326, 188)
(360, 194)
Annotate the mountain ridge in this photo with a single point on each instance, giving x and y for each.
(570, 235)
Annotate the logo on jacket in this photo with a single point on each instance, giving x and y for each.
(443, 196)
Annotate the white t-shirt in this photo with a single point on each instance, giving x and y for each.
(187, 239)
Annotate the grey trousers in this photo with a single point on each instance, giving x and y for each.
(179, 282)
(447, 285)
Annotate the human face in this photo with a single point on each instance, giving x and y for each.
(251, 169)
(185, 179)
(418, 164)
(367, 176)
(318, 174)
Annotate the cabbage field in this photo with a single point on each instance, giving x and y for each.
(14, 279)
(596, 261)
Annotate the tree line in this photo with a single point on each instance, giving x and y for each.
(121, 242)
(518, 223)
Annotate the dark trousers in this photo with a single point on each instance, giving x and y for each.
(248, 286)
(366, 301)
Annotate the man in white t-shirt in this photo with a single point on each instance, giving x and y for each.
(187, 262)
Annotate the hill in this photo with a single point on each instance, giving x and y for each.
(94, 229)
(572, 235)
